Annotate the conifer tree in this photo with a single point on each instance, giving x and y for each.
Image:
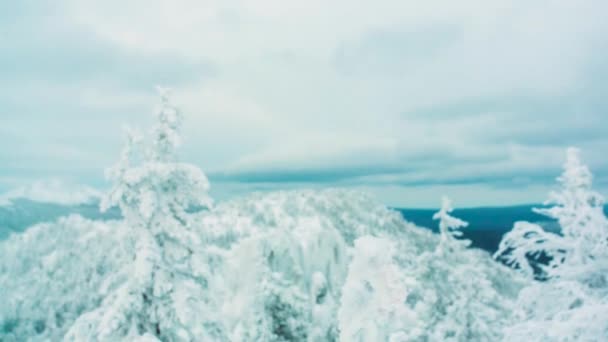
(449, 226)
(582, 240)
(154, 193)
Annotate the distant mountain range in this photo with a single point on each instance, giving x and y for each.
(486, 225)
(23, 213)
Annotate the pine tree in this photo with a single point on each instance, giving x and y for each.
(583, 237)
(579, 211)
(571, 303)
(449, 226)
(154, 193)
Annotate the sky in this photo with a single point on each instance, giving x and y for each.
(407, 100)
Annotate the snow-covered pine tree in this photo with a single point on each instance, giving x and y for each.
(269, 301)
(571, 304)
(154, 193)
(373, 297)
(583, 238)
(579, 211)
(449, 226)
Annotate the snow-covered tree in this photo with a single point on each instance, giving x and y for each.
(395, 294)
(279, 284)
(532, 250)
(579, 211)
(572, 301)
(166, 132)
(266, 305)
(154, 193)
(149, 185)
(582, 241)
(372, 304)
(449, 226)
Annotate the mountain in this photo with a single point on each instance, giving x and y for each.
(299, 266)
(487, 225)
(22, 213)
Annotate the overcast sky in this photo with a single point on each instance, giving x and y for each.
(406, 99)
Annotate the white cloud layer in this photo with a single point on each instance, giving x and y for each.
(389, 94)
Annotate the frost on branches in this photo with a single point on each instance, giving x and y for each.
(154, 193)
(572, 303)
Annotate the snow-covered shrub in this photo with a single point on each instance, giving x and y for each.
(532, 250)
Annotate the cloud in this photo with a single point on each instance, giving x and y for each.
(391, 94)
